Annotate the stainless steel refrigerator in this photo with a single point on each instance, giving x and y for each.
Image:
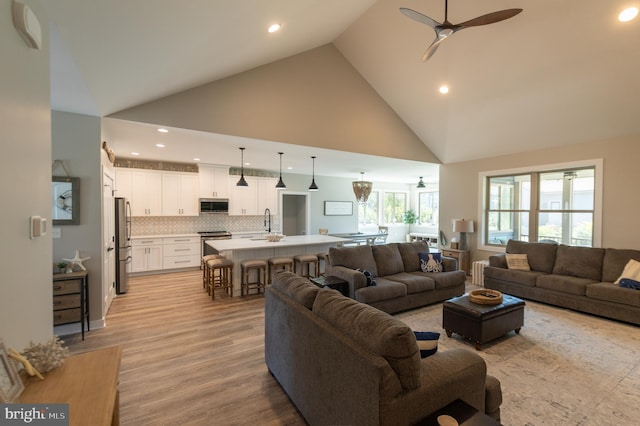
(123, 243)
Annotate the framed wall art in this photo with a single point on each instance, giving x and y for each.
(65, 200)
(10, 383)
(338, 208)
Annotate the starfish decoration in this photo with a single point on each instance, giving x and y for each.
(77, 260)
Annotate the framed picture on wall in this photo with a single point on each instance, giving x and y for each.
(338, 208)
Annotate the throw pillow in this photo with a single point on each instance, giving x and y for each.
(430, 262)
(631, 271)
(369, 276)
(629, 283)
(518, 262)
(427, 342)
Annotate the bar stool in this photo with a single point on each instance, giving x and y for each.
(220, 276)
(205, 270)
(306, 260)
(323, 258)
(246, 266)
(277, 263)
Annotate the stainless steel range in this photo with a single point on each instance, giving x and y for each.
(212, 235)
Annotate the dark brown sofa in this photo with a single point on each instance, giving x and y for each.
(401, 285)
(342, 362)
(578, 278)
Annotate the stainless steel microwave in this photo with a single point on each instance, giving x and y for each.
(214, 205)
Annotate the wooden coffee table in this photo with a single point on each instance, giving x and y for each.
(464, 414)
(482, 323)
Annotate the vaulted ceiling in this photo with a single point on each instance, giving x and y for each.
(559, 73)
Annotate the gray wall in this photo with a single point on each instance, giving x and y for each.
(76, 141)
(25, 171)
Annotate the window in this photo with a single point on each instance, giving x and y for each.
(395, 204)
(560, 204)
(428, 207)
(368, 212)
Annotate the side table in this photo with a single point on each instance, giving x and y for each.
(462, 256)
(332, 282)
(71, 299)
(463, 413)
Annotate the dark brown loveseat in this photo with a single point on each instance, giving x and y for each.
(578, 278)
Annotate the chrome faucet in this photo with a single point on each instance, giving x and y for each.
(267, 219)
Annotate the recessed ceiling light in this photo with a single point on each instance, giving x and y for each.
(163, 130)
(196, 159)
(160, 145)
(247, 163)
(444, 89)
(289, 168)
(273, 28)
(135, 153)
(628, 14)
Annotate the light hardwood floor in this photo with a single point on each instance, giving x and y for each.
(189, 360)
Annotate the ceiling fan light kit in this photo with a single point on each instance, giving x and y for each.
(446, 29)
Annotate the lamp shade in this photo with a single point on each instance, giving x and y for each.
(461, 225)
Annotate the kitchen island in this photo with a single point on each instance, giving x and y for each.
(245, 248)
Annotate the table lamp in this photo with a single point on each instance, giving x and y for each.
(463, 226)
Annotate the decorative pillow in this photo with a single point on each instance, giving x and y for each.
(630, 271)
(427, 342)
(518, 262)
(629, 283)
(430, 262)
(369, 276)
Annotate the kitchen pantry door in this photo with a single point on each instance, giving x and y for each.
(108, 242)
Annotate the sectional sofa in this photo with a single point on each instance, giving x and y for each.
(400, 283)
(578, 278)
(342, 362)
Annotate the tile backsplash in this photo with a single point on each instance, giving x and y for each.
(161, 225)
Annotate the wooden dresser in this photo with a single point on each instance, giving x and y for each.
(88, 382)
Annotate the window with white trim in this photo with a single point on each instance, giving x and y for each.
(428, 207)
(368, 212)
(560, 204)
(395, 204)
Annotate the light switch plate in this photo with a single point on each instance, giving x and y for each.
(56, 232)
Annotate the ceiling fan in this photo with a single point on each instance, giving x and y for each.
(446, 29)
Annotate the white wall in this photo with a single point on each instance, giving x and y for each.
(25, 170)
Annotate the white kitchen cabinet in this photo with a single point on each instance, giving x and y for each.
(146, 193)
(243, 200)
(146, 254)
(179, 194)
(213, 181)
(267, 195)
(181, 252)
(123, 182)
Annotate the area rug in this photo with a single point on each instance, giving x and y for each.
(564, 368)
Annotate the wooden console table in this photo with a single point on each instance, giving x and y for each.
(71, 299)
(88, 382)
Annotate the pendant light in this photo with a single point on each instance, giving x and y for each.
(421, 183)
(313, 186)
(242, 181)
(362, 189)
(280, 184)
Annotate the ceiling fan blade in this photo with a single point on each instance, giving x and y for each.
(417, 16)
(432, 49)
(491, 18)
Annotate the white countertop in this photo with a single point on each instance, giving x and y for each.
(135, 237)
(296, 240)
